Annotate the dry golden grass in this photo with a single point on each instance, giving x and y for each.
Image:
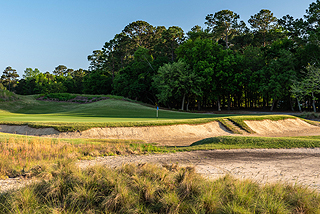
(30, 156)
(148, 188)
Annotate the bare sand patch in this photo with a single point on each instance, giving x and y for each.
(26, 130)
(295, 166)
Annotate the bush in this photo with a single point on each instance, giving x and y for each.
(60, 96)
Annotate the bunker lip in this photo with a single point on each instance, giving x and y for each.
(175, 135)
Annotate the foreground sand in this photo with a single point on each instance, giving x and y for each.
(301, 166)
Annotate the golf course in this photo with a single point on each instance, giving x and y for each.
(116, 131)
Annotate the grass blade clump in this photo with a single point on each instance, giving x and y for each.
(146, 188)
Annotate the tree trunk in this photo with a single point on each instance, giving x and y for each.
(299, 106)
(183, 99)
(188, 104)
(291, 106)
(229, 102)
(218, 103)
(199, 105)
(273, 104)
(314, 103)
(112, 68)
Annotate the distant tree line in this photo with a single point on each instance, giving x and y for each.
(272, 63)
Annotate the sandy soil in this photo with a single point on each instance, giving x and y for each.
(295, 166)
(288, 127)
(300, 166)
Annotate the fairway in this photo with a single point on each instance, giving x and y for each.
(30, 110)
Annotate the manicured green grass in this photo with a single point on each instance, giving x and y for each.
(152, 189)
(240, 142)
(113, 112)
(65, 116)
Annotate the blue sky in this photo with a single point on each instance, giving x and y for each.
(44, 34)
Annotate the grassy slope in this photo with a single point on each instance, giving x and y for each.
(65, 116)
(71, 116)
(29, 109)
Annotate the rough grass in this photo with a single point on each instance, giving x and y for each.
(35, 156)
(152, 189)
(228, 125)
(6, 95)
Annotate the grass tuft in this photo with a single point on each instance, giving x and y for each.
(148, 188)
(34, 156)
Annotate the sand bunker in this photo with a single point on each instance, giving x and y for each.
(26, 130)
(176, 135)
(287, 127)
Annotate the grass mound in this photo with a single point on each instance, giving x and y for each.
(151, 189)
(83, 99)
(310, 115)
(6, 95)
(240, 142)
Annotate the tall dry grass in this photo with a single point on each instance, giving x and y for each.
(152, 189)
(30, 156)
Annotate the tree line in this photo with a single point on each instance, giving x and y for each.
(272, 63)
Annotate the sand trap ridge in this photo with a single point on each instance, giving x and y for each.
(287, 127)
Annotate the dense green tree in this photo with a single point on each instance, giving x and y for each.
(97, 82)
(177, 80)
(295, 29)
(9, 77)
(27, 85)
(140, 33)
(223, 25)
(60, 70)
(309, 86)
(134, 81)
(197, 32)
(278, 71)
(263, 23)
(248, 79)
(313, 15)
(170, 40)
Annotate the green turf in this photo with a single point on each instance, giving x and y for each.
(113, 112)
(30, 110)
(242, 142)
